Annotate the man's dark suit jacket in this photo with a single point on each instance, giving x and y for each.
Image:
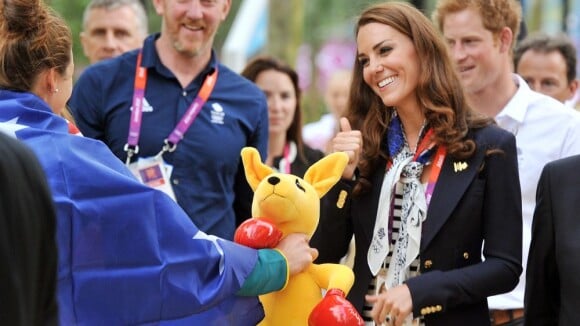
(475, 199)
(553, 274)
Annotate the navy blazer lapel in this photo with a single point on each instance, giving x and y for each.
(451, 185)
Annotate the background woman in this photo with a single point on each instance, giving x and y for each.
(286, 149)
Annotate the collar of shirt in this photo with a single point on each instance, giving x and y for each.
(151, 59)
(514, 112)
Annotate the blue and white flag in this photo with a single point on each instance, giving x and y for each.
(128, 254)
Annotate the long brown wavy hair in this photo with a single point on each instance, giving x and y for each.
(439, 92)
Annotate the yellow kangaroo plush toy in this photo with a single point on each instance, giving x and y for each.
(291, 204)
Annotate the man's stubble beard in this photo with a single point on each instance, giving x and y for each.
(190, 54)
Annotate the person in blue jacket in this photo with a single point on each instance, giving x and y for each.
(127, 253)
(188, 100)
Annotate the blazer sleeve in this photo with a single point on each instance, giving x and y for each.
(334, 232)
(542, 297)
(500, 220)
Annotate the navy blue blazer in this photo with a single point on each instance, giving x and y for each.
(472, 209)
(552, 283)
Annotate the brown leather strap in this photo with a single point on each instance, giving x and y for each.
(501, 317)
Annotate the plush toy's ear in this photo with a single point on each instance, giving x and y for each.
(325, 173)
(254, 169)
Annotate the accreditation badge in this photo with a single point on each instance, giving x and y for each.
(155, 173)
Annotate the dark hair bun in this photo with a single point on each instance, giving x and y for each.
(21, 16)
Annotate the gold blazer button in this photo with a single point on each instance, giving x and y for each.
(341, 199)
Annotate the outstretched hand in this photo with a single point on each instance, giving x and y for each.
(350, 142)
(297, 251)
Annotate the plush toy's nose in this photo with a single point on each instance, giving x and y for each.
(273, 180)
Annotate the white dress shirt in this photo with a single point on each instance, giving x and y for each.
(545, 130)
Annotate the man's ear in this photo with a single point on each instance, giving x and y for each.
(573, 87)
(83, 37)
(506, 39)
(226, 9)
(158, 5)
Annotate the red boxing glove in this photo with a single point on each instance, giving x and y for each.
(334, 309)
(258, 233)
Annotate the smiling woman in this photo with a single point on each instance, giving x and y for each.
(420, 182)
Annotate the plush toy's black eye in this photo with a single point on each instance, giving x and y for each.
(299, 185)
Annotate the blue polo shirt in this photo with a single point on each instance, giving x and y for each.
(207, 178)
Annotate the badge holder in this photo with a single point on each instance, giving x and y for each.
(154, 172)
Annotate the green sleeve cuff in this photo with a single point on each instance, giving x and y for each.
(270, 274)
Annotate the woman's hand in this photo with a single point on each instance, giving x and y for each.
(350, 142)
(395, 303)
